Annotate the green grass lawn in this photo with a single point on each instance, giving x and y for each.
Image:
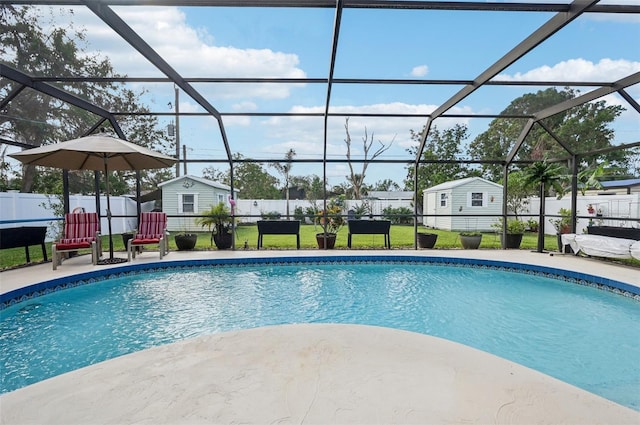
(402, 237)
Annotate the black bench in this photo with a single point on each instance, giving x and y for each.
(370, 227)
(16, 237)
(615, 232)
(278, 227)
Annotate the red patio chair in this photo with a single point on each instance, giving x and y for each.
(81, 231)
(152, 230)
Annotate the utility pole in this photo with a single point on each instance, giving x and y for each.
(177, 91)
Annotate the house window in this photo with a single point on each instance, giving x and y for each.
(477, 199)
(187, 203)
(220, 198)
(444, 197)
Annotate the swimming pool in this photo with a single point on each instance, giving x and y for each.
(561, 329)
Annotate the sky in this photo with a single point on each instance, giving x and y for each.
(393, 44)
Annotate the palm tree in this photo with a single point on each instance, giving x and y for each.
(545, 175)
(220, 222)
(588, 178)
(284, 170)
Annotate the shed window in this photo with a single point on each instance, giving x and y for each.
(220, 198)
(187, 202)
(477, 199)
(444, 197)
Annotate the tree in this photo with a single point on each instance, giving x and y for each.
(588, 178)
(518, 193)
(250, 179)
(284, 170)
(62, 52)
(545, 175)
(386, 185)
(315, 191)
(214, 174)
(439, 146)
(583, 128)
(634, 162)
(357, 179)
(8, 180)
(316, 188)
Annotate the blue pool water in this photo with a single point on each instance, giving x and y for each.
(581, 335)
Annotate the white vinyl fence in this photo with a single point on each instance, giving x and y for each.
(609, 210)
(33, 209)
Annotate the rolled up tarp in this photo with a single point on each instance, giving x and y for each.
(569, 239)
(604, 246)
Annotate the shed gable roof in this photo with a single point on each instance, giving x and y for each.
(461, 182)
(202, 180)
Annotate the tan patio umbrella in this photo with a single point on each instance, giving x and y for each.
(99, 152)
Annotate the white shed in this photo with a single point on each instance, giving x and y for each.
(459, 204)
(187, 196)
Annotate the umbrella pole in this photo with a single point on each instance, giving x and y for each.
(106, 179)
(111, 260)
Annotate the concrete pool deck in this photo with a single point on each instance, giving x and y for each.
(311, 373)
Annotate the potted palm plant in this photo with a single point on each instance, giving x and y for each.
(219, 221)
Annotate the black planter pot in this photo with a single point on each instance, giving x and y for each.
(512, 241)
(567, 249)
(223, 240)
(427, 240)
(330, 240)
(125, 241)
(186, 242)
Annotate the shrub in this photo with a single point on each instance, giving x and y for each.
(471, 234)
(362, 209)
(270, 215)
(400, 215)
(514, 226)
(562, 224)
(298, 214)
(312, 213)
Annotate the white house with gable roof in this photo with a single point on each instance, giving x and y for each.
(459, 205)
(188, 196)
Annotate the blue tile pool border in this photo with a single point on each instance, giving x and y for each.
(42, 288)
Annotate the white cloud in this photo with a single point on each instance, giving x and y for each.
(306, 132)
(245, 106)
(237, 121)
(420, 71)
(583, 70)
(577, 70)
(191, 52)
